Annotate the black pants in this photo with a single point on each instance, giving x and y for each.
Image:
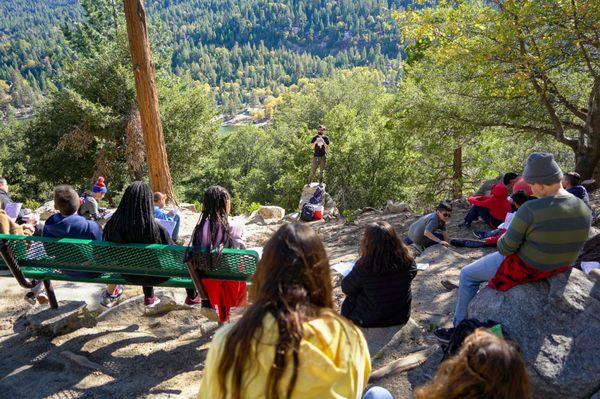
(477, 212)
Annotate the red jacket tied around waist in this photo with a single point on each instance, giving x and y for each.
(497, 203)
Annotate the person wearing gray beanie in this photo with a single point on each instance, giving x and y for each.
(544, 238)
(542, 168)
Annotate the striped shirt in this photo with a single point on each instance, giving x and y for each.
(548, 233)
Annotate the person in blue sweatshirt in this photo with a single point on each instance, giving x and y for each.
(67, 224)
(160, 201)
(572, 183)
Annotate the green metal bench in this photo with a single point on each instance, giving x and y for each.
(46, 259)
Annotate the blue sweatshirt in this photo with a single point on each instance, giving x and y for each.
(581, 193)
(74, 226)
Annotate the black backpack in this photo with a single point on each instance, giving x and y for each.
(462, 331)
(308, 212)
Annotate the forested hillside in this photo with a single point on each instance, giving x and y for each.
(245, 50)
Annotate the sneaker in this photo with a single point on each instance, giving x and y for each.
(444, 334)
(109, 300)
(30, 298)
(151, 302)
(449, 285)
(479, 234)
(193, 302)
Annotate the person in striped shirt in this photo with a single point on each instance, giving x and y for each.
(544, 238)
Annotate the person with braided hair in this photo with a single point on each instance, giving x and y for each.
(289, 343)
(133, 223)
(486, 367)
(213, 231)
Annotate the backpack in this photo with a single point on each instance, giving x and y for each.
(308, 212)
(462, 331)
(317, 197)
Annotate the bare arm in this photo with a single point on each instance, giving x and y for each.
(432, 237)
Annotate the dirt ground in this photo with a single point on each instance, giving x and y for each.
(133, 353)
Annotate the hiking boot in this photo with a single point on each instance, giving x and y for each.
(479, 234)
(444, 334)
(449, 285)
(109, 300)
(193, 302)
(151, 302)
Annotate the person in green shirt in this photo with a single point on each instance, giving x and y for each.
(545, 234)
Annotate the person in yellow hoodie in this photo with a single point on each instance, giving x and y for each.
(289, 343)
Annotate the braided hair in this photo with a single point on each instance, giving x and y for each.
(215, 207)
(133, 221)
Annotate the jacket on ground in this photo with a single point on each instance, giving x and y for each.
(378, 300)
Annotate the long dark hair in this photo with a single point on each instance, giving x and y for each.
(485, 367)
(214, 211)
(381, 250)
(293, 284)
(133, 221)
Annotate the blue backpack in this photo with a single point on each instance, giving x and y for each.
(308, 212)
(317, 197)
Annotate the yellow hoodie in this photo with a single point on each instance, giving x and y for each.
(334, 362)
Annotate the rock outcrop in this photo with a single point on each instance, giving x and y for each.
(46, 210)
(556, 324)
(271, 212)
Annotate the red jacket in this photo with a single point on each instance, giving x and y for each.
(497, 203)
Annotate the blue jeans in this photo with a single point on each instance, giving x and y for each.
(177, 220)
(471, 277)
(378, 393)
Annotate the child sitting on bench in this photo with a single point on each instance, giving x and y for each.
(67, 224)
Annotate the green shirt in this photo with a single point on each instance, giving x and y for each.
(548, 233)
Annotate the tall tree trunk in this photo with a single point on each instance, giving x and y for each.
(587, 156)
(457, 179)
(156, 153)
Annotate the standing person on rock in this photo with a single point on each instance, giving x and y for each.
(320, 144)
(543, 239)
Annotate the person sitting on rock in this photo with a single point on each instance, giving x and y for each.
(544, 238)
(133, 223)
(289, 343)
(491, 237)
(377, 289)
(491, 209)
(320, 144)
(508, 180)
(213, 232)
(89, 202)
(485, 367)
(572, 183)
(160, 201)
(430, 229)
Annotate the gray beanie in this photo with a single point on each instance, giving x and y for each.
(542, 168)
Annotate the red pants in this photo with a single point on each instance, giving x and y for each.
(224, 295)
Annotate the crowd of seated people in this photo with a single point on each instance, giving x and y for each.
(291, 343)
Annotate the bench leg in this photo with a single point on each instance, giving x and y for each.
(197, 279)
(14, 268)
(50, 292)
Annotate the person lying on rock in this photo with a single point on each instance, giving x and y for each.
(289, 343)
(491, 209)
(486, 367)
(378, 287)
(430, 229)
(544, 238)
